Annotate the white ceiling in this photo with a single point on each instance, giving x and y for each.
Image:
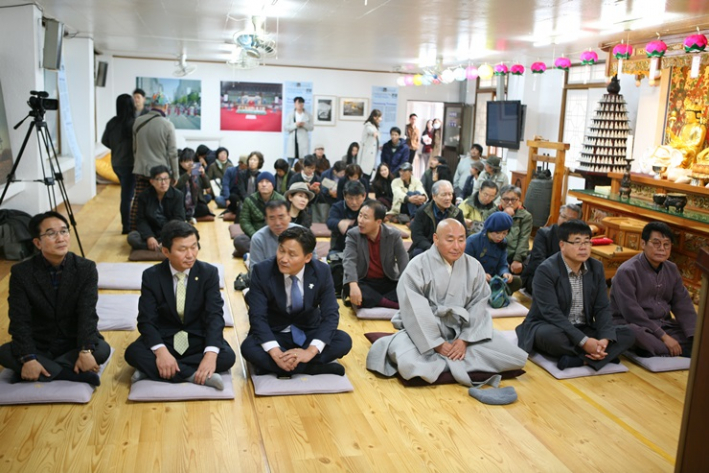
(382, 35)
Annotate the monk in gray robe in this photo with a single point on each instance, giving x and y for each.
(443, 321)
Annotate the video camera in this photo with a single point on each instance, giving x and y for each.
(39, 103)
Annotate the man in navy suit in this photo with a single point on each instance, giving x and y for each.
(180, 316)
(293, 312)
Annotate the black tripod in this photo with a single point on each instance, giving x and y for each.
(55, 172)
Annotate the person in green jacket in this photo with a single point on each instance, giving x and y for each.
(253, 211)
(518, 238)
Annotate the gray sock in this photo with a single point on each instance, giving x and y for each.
(215, 381)
(494, 396)
(137, 376)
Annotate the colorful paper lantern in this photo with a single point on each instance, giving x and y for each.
(485, 71)
(500, 70)
(471, 72)
(401, 81)
(695, 43)
(427, 79)
(418, 79)
(589, 58)
(517, 70)
(622, 51)
(447, 76)
(562, 63)
(656, 48)
(538, 67)
(459, 73)
(409, 80)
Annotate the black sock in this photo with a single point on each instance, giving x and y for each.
(569, 361)
(82, 377)
(325, 368)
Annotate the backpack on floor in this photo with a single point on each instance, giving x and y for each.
(15, 239)
(499, 296)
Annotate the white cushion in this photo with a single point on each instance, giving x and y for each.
(45, 393)
(375, 313)
(147, 390)
(549, 363)
(129, 276)
(658, 364)
(120, 311)
(515, 309)
(270, 385)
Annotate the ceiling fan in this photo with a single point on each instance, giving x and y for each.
(254, 40)
(183, 69)
(241, 60)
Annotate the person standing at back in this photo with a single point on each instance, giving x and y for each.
(413, 137)
(153, 145)
(298, 123)
(118, 137)
(370, 143)
(139, 102)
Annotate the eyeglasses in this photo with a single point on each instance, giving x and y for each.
(510, 200)
(162, 179)
(657, 244)
(52, 235)
(579, 243)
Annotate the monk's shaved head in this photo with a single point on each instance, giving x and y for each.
(450, 239)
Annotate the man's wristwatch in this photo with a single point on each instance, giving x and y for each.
(26, 358)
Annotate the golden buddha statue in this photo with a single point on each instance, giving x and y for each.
(691, 136)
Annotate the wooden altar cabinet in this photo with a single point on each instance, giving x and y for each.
(691, 228)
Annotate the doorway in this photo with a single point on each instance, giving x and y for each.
(425, 111)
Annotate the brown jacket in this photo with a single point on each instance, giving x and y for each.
(413, 137)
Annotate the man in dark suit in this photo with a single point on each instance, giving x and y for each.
(180, 316)
(293, 312)
(570, 316)
(374, 259)
(546, 244)
(52, 310)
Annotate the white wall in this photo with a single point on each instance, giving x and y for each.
(122, 73)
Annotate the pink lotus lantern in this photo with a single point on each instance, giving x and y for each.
(562, 63)
(589, 58)
(622, 51)
(409, 80)
(655, 50)
(500, 70)
(695, 43)
(517, 70)
(538, 67)
(471, 72)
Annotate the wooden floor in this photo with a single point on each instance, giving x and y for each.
(619, 423)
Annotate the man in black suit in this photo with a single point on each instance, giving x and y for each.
(293, 312)
(180, 316)
(546, 244)
(52, 310)
(570, 316)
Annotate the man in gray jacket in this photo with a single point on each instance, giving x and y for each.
(374, 259)
(153, 145)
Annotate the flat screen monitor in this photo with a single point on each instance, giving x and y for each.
(505, 123)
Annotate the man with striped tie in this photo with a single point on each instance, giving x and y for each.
(293, 312)
(180, 316)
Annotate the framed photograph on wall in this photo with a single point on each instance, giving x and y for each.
(354, 108)
(185, 99)
(251, 106)
(324, 109)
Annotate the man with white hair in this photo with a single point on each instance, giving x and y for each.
(430, 215)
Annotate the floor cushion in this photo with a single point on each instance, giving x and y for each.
(659, 364)
(271, 385)
(146, 255)
(229, 216)
(320, 230)
(206, 218)
(515, 309)
(147, 390)
(117, 311)
(46, 393)
(235, 230)
(374, 313)
(129, 276)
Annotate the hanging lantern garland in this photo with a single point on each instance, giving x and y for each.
(471, 72)
(695, 44)
(588, 59)
(485, 71)
(655, 50)
(562, 63)
(622, 51)
(538, 67)
(517, 70)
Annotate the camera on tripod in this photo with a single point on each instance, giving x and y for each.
(40, 103)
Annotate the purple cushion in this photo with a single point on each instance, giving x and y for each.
(320, 230)
(270, 385)
(147, 390)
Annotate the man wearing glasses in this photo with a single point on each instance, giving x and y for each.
(518, 238)
(52, 310)
(157, 205)
(646, 289)
(570, 318)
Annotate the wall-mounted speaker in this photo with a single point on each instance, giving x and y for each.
(101, 72)
(53, 37)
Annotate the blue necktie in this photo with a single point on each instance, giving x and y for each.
(296, 305)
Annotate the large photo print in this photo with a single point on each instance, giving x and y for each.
(185, 97)
(251, 106)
